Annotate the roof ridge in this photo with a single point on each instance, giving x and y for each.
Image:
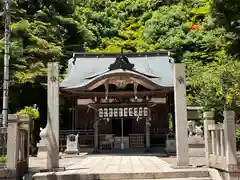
(130, 54)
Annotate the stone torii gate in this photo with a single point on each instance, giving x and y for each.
(51, 131)
(179, 81)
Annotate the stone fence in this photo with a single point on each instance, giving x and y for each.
(220, 145)
(15, 139)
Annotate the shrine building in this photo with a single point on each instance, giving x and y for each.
(118, 101)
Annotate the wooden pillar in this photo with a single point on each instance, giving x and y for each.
(72, 113)
(76, 115)
(96, 121)
(96, 136)
(171, 109)
(147, 131)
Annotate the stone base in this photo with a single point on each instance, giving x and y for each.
(7, 174)
(42, 145)
(170, 146)
(71, 151)
(229, 175)
(170, 150)
(43, 155)
(59, 169)
(183, 167)
(199, 174)
(170, 153)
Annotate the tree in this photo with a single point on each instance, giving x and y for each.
(204, 34)
(205, 81)
(227, 15)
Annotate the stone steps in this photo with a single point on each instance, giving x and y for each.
(175, 174)
(176, 179)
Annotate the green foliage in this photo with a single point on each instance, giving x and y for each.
(238, 139)
(207, 87)
(226, 14)
(204, 33)
(39, 33)
(30, 111)
(170, 120)
(3, 159)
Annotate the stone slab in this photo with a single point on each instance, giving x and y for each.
(110, 167)
(170, 174)
(114, 163)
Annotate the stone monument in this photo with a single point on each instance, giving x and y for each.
(72, 144)
(170, 146)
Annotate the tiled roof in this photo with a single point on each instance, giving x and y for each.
(85, 68)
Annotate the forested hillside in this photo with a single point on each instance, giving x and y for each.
(204, 33)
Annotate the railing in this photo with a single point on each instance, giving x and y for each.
(14, 144)
(238, 150)
(23, 145)
(22, 148)
(86, 137)
(216, 146)
(220, 142)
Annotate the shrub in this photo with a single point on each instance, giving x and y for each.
(238, 139)
(30, 111)
(3, 159)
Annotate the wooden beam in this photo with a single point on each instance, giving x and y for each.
(112, 105)
(99, 83)
(144, 83)
(117, 94)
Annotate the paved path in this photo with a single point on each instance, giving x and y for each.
(39, 163)
(107, 163)
(118, 163)
(104, 163)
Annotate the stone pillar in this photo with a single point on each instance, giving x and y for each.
(230, 137)
(53, 116)
(12, 143)
(180, 114)
(25, 124)
(208, 119)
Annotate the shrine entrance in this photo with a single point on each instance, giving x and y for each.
(129, 126)
(118, 127)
